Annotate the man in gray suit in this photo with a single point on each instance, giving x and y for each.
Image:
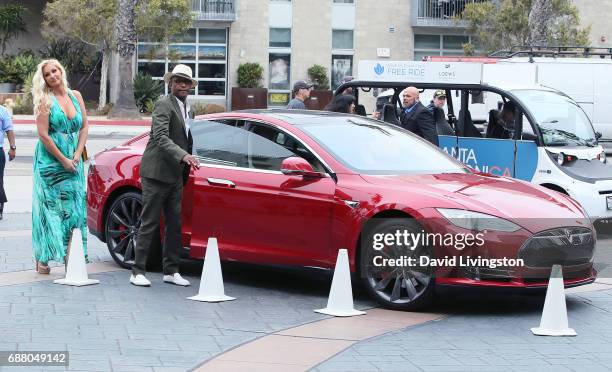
(164, 169)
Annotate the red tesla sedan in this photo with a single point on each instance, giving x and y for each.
(292, 187)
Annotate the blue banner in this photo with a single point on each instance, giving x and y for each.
(526, 160)
(495, 156)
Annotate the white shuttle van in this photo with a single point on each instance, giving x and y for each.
(552, 144)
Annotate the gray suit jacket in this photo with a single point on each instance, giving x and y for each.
(168, 143)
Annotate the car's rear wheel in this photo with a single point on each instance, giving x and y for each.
(409, 287)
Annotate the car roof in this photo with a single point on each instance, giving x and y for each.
(293, 117)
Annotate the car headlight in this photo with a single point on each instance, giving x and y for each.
(560, 158)
(602, 156)
(477, 221)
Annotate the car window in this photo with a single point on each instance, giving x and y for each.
(238, 143)
(287, 142)
(220, 142)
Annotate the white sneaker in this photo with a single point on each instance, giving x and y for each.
(140, 280)
(176, 279)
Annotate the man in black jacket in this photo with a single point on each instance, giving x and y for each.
(416, 117)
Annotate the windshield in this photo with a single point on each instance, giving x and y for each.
(560, 119)
(372, 147)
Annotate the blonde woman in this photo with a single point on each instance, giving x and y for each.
(58, 204)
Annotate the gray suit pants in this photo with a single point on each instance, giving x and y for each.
(157, 198)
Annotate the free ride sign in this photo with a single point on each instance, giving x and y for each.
(420, 72)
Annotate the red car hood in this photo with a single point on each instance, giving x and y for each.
(531, 206)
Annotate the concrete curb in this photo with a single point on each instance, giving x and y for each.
(95, 131)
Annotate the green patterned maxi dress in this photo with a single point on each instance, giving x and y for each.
(58, 203)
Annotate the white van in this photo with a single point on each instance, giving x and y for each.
(551, 143)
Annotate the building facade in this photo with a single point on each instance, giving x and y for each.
(596, 14)
(287, 37)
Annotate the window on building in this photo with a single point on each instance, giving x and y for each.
(342, 56)
(202, 49)
(280, 38)
(280, 70)
(439, 45)
(279, 79)
(342, 66)
(342, 39)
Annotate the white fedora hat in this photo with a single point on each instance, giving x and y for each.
(183, 71)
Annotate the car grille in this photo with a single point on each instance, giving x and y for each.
(567, 246)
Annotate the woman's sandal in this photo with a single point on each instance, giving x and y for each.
(42, 269)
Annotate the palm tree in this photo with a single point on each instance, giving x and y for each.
(126, 45)
(539, 20)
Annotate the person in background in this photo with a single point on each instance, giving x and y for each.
(342, 103)
(416, 118)
(438, 101)
(436, 107)
(301, 91)
(59, 196)
(6, 126)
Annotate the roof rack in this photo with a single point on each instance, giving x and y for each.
(553, 51)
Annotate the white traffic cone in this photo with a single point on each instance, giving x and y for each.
(76, 271)
(340, 301)
(554, 317)
(211, 284)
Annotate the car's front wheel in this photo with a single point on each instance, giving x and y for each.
(121, 230)
(408, 287)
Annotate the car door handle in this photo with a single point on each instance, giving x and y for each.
(221, 182)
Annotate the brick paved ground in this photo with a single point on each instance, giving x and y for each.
(491, 334)
(119, 326)
(16, 244)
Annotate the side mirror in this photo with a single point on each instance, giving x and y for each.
(296, 166)
(597, 135)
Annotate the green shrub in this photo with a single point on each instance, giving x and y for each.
(15, 69)
(12, 24)
(198, 108)
(24, 104)
(74, 56)
(146, 89)
(318, 76)
(250, 75)
(149, 106)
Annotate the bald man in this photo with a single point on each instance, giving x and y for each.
(416, 117)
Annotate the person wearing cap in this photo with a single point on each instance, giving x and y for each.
(301, 92)
(164, 170)
(439, 100)
(436, 107)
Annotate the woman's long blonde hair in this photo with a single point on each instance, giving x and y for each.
(41, 93)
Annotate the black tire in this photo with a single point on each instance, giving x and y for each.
(405, 288)
(121, 231)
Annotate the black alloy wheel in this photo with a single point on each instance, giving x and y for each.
(121, 230)
(405, 288)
